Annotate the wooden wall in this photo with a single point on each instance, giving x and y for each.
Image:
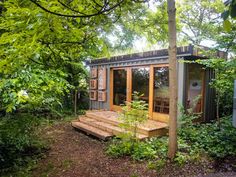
(101, 102)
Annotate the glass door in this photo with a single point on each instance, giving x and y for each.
(194, 101)
(125, 81)
(119, 88)
(140, 82)
(159, 89)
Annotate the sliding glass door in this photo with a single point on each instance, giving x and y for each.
(119, 86)
(140, 82)
(161, 90)
(125, 81)
(151, 81)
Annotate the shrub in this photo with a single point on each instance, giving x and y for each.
(18, 140)
(218, 143)
(119, 148)
(133, 114)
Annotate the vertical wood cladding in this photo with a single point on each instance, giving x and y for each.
(102, 90)
(102, 78)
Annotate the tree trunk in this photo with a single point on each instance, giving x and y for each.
(75, 102)
(218, 109)
(172, 79)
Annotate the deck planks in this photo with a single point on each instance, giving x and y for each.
(98, 122)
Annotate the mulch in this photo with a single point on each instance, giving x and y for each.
(74, 154)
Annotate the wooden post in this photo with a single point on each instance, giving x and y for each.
(129, 85)
(172, 79)
(151, 94)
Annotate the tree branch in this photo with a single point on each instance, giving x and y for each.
(79, 16)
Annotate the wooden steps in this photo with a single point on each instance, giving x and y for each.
(113, 129)
(104, 124)
(91, 130)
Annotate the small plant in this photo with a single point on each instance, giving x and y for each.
(133, 114)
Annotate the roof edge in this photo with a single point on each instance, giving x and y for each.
(190, 50)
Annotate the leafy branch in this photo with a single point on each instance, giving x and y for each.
(104, 9)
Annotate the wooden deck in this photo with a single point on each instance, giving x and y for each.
(105, 124)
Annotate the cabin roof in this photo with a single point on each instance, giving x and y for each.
(189, 52)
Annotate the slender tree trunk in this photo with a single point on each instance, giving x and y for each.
(172, 80)
(218, 109)
(75, 102)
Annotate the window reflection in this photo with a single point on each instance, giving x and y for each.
(161, 90)
(194, 93)
(140, 82)
(119, 84)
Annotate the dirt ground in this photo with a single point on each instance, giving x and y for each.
(74, 154)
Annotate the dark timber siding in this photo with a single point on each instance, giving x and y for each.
(209, 109)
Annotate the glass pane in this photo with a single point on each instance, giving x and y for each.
(194, 93)
(140, 82)
(161, 90)
(119, 86)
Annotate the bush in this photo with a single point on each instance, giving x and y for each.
(18, 140)
(133, 114)
(194, 140)
(154, 150)
(119, 148)
(218, 143)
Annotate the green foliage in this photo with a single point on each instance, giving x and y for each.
(32, 87)
(195, 140)
(229, 12)
(208, 138)
(138, 150)
(119, 148)
(51, 49)
(133, 114)
(18, 140)
(225, 74)
(154, 150)
(199, 20)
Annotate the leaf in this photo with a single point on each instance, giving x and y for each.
(227, 25)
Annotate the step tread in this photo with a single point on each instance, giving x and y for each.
(101, 123)
(91, 130)
(109, 127)
(112, 117)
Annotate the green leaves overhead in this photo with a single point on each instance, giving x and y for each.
(33, 35)
(229, 12)
(199, 20)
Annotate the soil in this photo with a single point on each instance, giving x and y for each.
(74, 154)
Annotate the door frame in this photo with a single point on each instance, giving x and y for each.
(155, 115)
(151, 114)
(203, 80)
(128, 87)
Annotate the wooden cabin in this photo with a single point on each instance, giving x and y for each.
(113, 80)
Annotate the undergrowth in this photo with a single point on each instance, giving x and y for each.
(195, 140)
(21, 142)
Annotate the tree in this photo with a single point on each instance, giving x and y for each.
(199, 20)
(48, 50)
(172, 80)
